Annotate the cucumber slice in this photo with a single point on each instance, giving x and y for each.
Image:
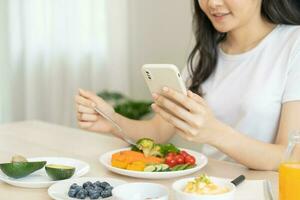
(165, 167)
(175, 168)
(182, 167)
(190, 167)
(150, 168)
(158, 168)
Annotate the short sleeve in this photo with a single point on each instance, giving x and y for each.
(292, 86)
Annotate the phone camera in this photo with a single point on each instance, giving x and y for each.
(148, 75)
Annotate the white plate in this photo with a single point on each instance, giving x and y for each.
(40, 179)
(201, 161)
(59, 191)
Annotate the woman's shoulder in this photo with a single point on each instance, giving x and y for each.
(290, 36)
(292, 32)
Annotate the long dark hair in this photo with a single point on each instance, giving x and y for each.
(203, 59)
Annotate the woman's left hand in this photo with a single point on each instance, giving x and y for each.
(190, 115)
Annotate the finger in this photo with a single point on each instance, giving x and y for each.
(177, 110)
(99, 102)
(79, 116)
(84, 109)
(184, 135)
(85, 125)
(83, 101)
(87, 117)
(178, 123)
(184, 100)
(92, 96)
(197, 98)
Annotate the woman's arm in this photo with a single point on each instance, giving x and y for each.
(256, 154)
(155, 128)
(195, 122)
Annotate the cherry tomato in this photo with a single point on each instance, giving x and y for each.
(172, 154)
(171, 162)
(179, 159)
(190, 160)
(184, 153)
(168, 158)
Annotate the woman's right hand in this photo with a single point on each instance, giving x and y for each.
(88, 118)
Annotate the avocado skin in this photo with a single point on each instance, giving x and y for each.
(21, 169)
(59, 174)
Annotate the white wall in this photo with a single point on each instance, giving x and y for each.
(160, 32)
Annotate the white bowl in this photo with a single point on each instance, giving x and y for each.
(138, 191)
(179, 185)
(59, 191)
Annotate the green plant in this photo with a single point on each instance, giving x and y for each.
(125, 106)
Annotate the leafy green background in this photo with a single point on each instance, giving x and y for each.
(125, 106)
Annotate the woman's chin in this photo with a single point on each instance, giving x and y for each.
(223, 29)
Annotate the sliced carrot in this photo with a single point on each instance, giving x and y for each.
(136, 166)
(119, 164)
(124, 158)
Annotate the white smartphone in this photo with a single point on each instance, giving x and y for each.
(158, 76)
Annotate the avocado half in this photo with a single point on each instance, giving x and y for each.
(59, 172)
(21, 169)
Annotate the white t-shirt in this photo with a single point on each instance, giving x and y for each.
(247, 90)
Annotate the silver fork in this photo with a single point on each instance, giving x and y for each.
(120, 130)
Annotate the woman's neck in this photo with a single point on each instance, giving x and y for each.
(246, 37)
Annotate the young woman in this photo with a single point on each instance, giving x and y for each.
(244, 78)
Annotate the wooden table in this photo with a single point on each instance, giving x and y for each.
(35, 138)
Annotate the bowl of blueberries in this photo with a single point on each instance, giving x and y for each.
(84, 188)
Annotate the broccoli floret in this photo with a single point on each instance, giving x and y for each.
(156, 150)
(149, 148)
(168, 148)
(134, 148)
(145, 145)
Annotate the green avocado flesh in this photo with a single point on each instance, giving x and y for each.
(60, 172)
(21, 169)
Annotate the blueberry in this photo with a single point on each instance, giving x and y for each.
(94, 194)
(104, 185)
(77, 188)
(91, 192)
(98, 183)
(99, 189)
(89, 188)
(73, 186)
(109, 187)
(72, 193)
(86, 184)
(81, 194)
(106, 193)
